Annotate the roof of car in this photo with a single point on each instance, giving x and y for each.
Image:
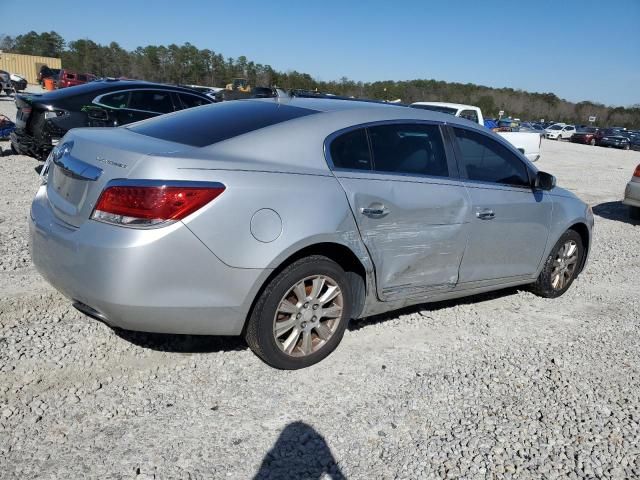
(324, 104)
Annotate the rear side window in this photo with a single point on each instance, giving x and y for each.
(486, 160)
(469, 115)
(157, 101)
(413, 149)
(351, 151)
(115, 100)
(214, 123)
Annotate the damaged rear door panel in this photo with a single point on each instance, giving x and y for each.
(411, 209)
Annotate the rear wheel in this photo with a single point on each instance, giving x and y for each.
(626, 147)
(634, 212)
(592, 142)
(561, 267)
(301, 315)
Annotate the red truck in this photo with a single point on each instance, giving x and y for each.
(67, 78)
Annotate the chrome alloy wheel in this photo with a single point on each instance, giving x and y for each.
(308, 315)
(564, 265)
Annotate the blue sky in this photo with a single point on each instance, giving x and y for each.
(579, 50)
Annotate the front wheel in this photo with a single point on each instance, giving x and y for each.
(592, 142)
(634, 213)
(561, 267)
(301, 315)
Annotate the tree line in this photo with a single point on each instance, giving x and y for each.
(187, 64)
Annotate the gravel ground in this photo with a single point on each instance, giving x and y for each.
(506, 385)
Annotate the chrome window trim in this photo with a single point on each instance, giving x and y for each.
(96, 100)
(453, 168)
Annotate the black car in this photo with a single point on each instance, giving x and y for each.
(46, 72)
(634, 139)
(43, 119)
(615, 141)
(5, 82)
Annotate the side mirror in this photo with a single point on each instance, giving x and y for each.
(544, 181)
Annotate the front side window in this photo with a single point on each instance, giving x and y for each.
(157, 101)
(485, 160)
(414, 149)
(351, 151)
(189, 101)
(555, 127)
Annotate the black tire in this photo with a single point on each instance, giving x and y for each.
(543, 286)
(259, 331)
(634, 212)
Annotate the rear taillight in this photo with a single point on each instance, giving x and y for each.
(636, 172)
(146, 205)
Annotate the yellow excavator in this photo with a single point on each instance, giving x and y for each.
(239, 85)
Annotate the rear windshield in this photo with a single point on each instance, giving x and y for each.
(210, 124)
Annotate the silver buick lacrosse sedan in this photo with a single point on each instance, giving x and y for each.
(282, 219)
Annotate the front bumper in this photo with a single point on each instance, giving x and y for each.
(632, 194)
(159, 280)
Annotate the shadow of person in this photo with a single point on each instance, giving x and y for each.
(299, 453)
(617, 211)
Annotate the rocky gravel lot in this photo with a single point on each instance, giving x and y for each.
(506, 385)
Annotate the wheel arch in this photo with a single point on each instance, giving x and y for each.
(581, 229)
(358, 268)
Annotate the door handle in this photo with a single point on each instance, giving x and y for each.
(374, 211)
(485, 214)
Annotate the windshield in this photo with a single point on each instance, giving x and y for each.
(437, 108)
(587, 129)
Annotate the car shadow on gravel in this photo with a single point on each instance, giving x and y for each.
(299, 452)
(617, 211)
(426, 309)
(174, 343)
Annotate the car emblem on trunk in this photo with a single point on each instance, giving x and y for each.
(110, 162)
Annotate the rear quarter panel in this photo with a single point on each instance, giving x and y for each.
(310, 208)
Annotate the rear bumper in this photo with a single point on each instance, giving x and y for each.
(29, 145)
(632, 194)
(160, 280)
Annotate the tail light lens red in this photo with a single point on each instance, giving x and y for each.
(636, 172)
(152, 205)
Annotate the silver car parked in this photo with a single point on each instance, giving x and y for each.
(282, 219)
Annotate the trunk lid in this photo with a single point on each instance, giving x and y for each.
(78, 176)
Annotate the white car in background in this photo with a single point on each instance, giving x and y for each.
(527, 142)
(632, 194)
(560, 131)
